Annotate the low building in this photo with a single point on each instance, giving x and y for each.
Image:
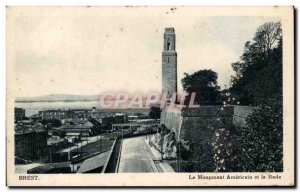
(73, 137)
(84, 130)
(80, 114)
(120, 118)
(108, 120)
(132, 117)
(35, 118)
(23, 126)
(56, 143)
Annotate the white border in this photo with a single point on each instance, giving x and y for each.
(3, 3)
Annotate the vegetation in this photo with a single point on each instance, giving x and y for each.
(204, 84)
(259, 145)
(154, 112)
(197, 155)
(259, 72)
(256, 147)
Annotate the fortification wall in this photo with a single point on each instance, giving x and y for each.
(195, 131)
(186, 122)
(241, 113)
(172, 119)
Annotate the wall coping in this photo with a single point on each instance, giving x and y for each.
(209, 110)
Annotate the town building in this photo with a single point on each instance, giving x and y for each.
(31, 145)
(85, 130)
(19, 114)
(23, 126)
(55, 114)
(132, 118)
(80, 114)
(56, 143)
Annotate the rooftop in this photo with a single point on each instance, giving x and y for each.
(170, 30)
(75, 127)
(94, 162)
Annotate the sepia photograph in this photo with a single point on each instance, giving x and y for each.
(150, 96)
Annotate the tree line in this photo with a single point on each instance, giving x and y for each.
(257, 147)
(258, 73)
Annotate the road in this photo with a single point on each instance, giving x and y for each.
(135, 156)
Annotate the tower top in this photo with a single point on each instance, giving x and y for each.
(170, 30)
(169, 40)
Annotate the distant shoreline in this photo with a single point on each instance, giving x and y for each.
(67, 101)
(33, 101)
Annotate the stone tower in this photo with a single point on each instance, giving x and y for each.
(169, 63)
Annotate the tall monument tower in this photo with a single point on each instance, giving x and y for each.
(169, 63)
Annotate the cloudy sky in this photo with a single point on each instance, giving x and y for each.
(92, 50)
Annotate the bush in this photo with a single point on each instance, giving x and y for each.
(199, 156)
(259, 145)
(154, 112)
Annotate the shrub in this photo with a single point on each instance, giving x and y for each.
(259, 145)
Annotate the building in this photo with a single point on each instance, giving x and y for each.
(55, 143)
(169, 63)
(120, 118)
(51, 168)
(132, 118)
(85, 130)
(80, 114)
(23, 126)
(31, 145)
(19, 114)
(55, 114)
(73, 137)
(107, 120)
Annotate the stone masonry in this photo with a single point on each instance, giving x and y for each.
(169, 63)
(191, 126)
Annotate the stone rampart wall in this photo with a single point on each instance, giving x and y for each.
(183, 121)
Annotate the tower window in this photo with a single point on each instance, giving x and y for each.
(168, 59)
(168, 46)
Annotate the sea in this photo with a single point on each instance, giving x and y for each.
(32, 108)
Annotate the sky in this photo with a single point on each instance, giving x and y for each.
(94, 50)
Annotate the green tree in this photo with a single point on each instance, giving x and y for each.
(199, 157)
(259, 72)
(204, 84)
(258, 147)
